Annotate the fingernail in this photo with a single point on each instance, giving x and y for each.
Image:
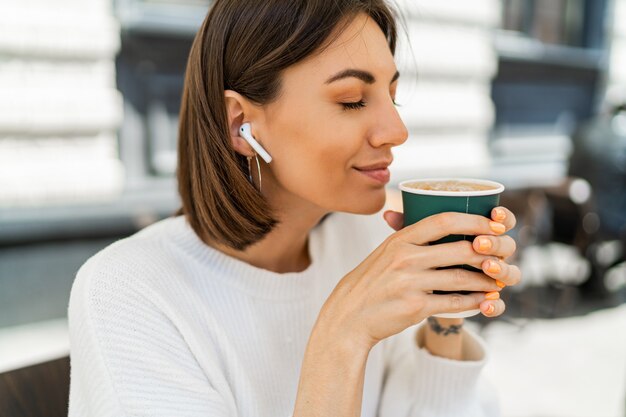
(500, 284)
(484, 244)
(500, 214)
(497, 227)
(493, 267)
(490, 309)
(494, 295)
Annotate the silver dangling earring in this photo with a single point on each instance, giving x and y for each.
(250, 171)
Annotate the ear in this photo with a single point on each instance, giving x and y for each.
(239, 111)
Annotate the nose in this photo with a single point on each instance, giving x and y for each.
(388, 128)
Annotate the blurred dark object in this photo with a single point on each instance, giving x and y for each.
(35, 391)
(556, 157)
(572, 235)
(599, 157)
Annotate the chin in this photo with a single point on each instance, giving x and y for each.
(369, 203)
(375, 208)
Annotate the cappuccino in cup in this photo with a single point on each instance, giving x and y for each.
(425, 197)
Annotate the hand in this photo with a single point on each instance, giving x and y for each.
(501, 247)
(392, 288)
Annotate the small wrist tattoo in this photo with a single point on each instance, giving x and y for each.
(439, 329)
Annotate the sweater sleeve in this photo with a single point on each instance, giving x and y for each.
(127, 357)
(419, 384)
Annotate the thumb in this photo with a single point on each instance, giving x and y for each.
(394, 219)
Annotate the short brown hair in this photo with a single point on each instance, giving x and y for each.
(244, 46)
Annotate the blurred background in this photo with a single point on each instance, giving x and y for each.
(531, 93)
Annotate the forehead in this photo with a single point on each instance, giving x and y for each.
(361, 45)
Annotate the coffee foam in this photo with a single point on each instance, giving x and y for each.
(450, 186)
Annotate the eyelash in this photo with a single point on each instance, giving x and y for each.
(353, 106)
(360, 104)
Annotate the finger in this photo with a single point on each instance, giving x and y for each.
(458, 279)
(435, 227)
(501, 246)
(492, 308)
(394, 219)
(453, 303)
(505, 216)
(449, 254)
(501, 271)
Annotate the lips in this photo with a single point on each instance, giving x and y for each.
(377, 171)
(376, 165)
(381, 175)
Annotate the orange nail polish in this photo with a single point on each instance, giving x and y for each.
(484, 244)
(494, 295)
(490, 309)
(500, 284)
(499, 214)
(493, 267)
(497, 227)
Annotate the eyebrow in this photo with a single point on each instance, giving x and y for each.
(365, 76)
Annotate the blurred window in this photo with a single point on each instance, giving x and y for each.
(156, 38)
(558, 22)
(42, 246)
(551, 60)
(552, 57)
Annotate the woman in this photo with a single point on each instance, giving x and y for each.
(278, 290)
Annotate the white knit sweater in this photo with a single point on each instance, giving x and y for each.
(163, 325)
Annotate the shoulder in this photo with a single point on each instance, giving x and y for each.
(127, 270)
(146, 249)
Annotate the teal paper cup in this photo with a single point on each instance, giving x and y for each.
(419, 204)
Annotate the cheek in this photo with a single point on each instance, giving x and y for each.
(319, 169)
(316, 149)
(315, 167)
(325, 149)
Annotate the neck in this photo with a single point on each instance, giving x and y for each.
(286, 248)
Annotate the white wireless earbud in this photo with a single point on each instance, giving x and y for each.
(246, 133)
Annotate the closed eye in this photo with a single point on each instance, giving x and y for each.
(353, 105)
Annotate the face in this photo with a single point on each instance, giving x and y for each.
(329, 121)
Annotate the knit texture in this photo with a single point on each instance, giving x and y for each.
(162, 324)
